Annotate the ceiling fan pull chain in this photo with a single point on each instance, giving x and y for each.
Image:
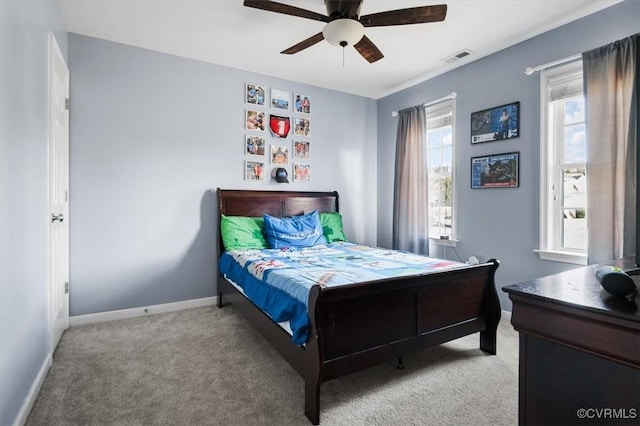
(343, 44)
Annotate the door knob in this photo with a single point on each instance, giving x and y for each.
(58, 217)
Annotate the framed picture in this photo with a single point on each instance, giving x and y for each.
(253, 170)
(494, 124)
(496, 171)
(301, 126)
(301, 172)
(255, 120)
(279, 154)
(254, 145)
(302, 103)
(301, 149)
(279, 99)
(255, 94)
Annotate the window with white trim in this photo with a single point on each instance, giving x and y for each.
(440, 139)
(563, 173)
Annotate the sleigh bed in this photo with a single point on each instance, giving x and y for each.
(355, 326)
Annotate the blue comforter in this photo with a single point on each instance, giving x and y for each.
(278, 280)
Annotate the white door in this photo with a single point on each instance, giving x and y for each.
(58, 194)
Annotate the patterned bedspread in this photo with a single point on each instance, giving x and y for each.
(278, 281)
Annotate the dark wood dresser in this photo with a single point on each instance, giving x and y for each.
(579, 350)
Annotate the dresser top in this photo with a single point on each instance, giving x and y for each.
(580, 288)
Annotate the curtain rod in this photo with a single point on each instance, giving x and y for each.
(451, 95)
(531, 70)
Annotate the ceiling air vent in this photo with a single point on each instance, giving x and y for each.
(461, 54)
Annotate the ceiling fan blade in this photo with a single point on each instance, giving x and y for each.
(304, 44)
(273, 6)
(412, 15)
(368, 50)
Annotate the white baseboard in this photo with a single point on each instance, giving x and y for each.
(158, 309)
(139, 312)
(506, 315)
(27, 405)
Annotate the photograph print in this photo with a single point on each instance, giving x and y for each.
(279, 99)
(255, 120)
(301, 149)
(254, 170)
(255, 94)
(301, 127)
(301, 172)
(302, 103)
(254, 145)
(496, 171)
(279, 154)
(494, 124)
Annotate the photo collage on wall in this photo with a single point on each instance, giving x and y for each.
(278, 128)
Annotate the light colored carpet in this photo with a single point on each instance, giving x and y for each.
(208, 366)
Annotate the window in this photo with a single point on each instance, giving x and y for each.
(563, 174)
(440, 139)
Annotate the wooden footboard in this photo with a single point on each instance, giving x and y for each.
(361, 325)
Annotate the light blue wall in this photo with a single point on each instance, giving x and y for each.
(24, 344)
(151, 135)
(500, 223)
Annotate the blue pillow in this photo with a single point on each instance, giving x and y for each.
(296, 231)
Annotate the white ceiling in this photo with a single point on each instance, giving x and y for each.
(225, 32)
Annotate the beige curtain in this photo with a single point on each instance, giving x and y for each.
(410, 204)
(612, 145)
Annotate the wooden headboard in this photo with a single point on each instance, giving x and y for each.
(232, 202)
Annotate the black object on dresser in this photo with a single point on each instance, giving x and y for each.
(579, 349)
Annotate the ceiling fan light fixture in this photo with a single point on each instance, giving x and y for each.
(343, 32)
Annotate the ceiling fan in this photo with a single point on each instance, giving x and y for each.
(346, 27)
